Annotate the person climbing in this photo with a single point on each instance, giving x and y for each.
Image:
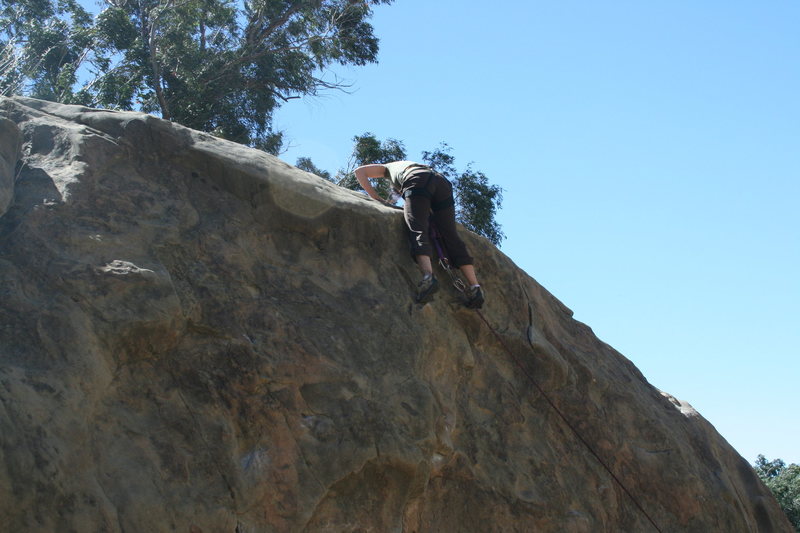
(427, 195)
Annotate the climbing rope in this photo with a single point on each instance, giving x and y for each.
(459, 284)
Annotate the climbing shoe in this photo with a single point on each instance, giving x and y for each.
(426, 288)
(474, 297)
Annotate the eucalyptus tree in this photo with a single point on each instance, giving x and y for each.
(42, 46)
(221, 66)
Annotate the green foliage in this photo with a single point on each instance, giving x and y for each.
(43, 45)
(441, 161)
(477, 204)
(368, 150)
(271, 142)
(304, 163)
(220, 66)
(784, 482)
(477, 201)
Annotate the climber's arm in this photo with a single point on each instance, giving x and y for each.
(363, 173)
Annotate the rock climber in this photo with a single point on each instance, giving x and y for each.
(427, 195)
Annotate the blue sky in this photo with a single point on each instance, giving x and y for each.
(650, 156)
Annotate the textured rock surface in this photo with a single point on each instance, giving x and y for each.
(197, 337)
(9, 155)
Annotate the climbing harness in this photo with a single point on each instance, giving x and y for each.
(459, 284)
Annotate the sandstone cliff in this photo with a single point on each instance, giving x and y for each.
(198, 337)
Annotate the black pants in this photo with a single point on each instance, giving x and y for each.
(430, 195)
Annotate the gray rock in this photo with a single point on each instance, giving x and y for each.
(198, 337)
(9, 155)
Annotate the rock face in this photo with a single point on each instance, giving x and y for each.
(198, 337)
(9, 155)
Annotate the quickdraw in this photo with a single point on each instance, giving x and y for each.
(444, 260)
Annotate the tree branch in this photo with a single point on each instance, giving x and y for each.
(152, 41)
(277, 23)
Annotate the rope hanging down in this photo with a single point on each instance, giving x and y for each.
(459, 284)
